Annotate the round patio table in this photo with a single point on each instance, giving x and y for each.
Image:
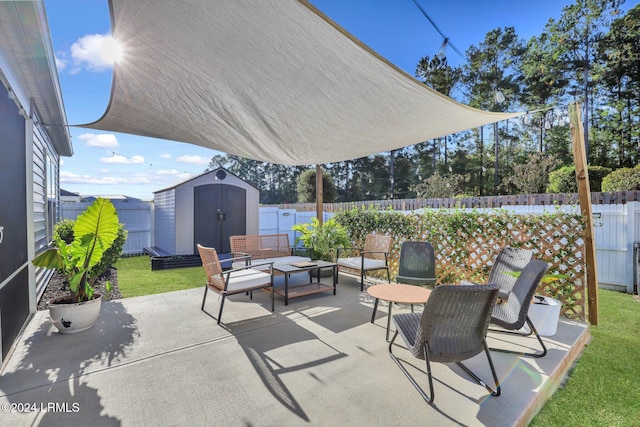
(398, 293)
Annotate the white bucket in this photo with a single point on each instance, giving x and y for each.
(544, 315)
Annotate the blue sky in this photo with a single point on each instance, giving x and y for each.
(119, 164)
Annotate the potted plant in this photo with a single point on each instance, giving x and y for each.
(94, 232)
(322, 241)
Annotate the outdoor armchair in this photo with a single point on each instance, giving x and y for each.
(238, 280)
(452, 328)
(508, 261)
(512, 314)
(417, 264)
(373, 256)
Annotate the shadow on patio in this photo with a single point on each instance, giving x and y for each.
(159, 360)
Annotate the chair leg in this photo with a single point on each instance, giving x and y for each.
(221, 305)
(388, 275)
(497, 390)
(533, 331)
(427, 398)
(204, 298)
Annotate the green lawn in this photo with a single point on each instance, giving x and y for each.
(603, 389)
(135, 277)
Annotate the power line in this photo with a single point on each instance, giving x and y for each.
(446, 39)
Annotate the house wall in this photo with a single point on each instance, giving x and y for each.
(29, 165)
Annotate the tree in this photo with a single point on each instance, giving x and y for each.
(577, 34)
(619, 51)
(532, 176)
(440, 186)
(492, 69)
(307, 187)
(544, 79)
(439, 75)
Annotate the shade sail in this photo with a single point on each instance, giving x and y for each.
(270, 80)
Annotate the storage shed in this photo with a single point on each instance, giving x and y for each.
(207, 209)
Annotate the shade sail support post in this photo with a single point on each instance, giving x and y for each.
(319, 193)
(584, 196)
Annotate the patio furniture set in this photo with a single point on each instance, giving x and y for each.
(454, 322)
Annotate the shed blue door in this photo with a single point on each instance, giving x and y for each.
(220, 211)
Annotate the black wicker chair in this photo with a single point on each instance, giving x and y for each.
(452, 328)
(417, 264)
(512, 314)
(508, 261)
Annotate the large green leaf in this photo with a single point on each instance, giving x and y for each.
(94, 232)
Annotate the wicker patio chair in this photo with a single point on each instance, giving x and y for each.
(373, 256)
(452, 328)
(513, 313)
(509, 260)
(238, 280)
(417, 265)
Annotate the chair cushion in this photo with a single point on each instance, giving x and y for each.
(277, 260)
(242, 280)
(356, 263)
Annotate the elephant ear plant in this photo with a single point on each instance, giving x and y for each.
(94, 231)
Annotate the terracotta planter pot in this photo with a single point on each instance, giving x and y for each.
(70, 318)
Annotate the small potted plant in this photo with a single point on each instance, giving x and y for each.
(94, 232)
(322, 241)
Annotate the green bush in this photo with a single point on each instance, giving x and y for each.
(623, 179)
(563, 180)
(64, 230)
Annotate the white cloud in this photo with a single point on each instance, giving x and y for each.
(61, 63)
(184, 176)
(94, 52)
(72, 178)
(102, 140)
(168, 172)
(165, 156)
(193, 160)
(118, 159)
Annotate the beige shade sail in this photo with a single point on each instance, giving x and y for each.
(270, 80)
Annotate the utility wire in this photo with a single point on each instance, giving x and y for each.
(446, 41)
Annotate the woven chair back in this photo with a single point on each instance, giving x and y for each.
(377, 243)
(212, 267)
(455, 322)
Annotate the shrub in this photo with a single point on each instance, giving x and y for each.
(64, 230)
(623, 179)
(563, 180)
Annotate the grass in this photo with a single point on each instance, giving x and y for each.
(603, 388)
(135, 277)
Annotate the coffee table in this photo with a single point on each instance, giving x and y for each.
(397, 293)
(306, 289)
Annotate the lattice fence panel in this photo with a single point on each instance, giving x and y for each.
(467, 243)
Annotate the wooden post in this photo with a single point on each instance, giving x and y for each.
(584, 195)
(319, 193)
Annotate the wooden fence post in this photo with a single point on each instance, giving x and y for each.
(584, 195)
(319, 194)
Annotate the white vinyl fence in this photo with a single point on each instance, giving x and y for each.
(616, 229)
(135, 215)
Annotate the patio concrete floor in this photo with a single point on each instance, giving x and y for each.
(160, 361)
